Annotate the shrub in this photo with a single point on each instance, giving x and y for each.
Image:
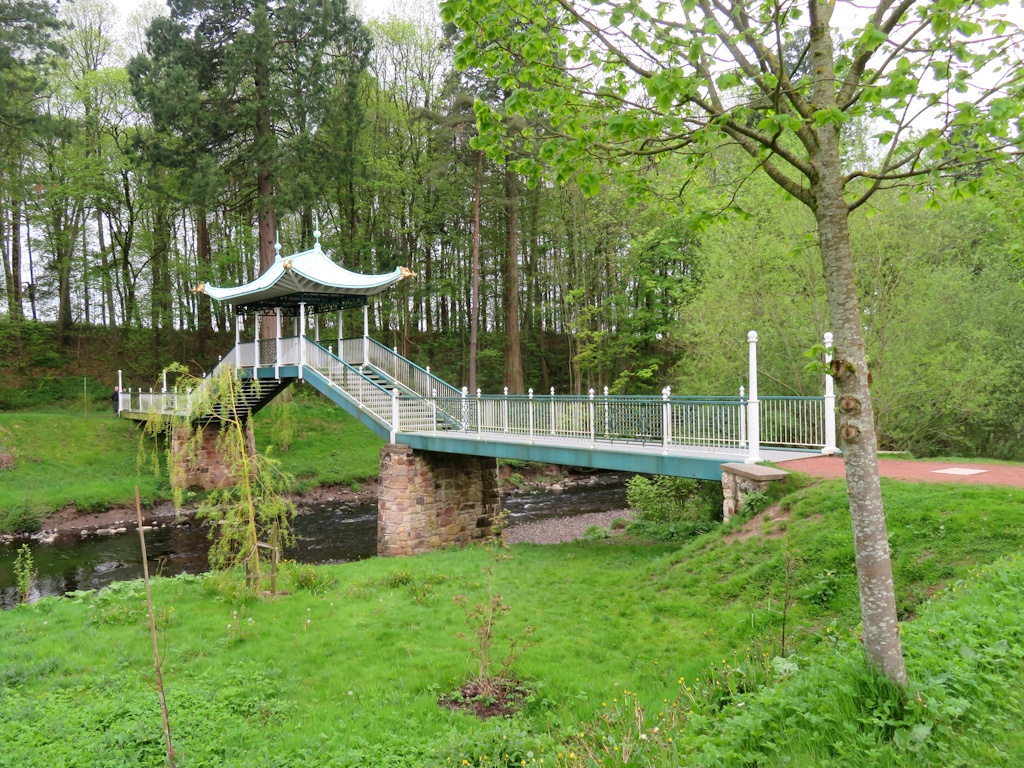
(595, 533)
(309, 578)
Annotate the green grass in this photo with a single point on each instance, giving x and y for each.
(611, 616)
(325, 446)
(66, 458)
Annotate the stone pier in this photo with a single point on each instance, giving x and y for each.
(429, 500)
(740, 479)
(205, 468)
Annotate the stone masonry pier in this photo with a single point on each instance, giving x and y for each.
(429, 500)
(203, 467)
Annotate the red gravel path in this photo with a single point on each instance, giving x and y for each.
(916, 471)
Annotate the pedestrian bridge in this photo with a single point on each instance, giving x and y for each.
(684, 436)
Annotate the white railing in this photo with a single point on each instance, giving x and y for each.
(424, 403)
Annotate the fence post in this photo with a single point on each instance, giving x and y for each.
(590, 408)
(666, 420)
(552, 425)
(465, 409)
(753, 414)
(529, 407)
(606, 412)
(394, 415)
(238, 339)
(433, 404)
(504, 411)
(256, 345)
(742, 420)
(478, 417)
(302, 339)
(830, 402)
(366, 334)
(277, 346)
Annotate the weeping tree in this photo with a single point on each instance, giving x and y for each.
(621, 84)
(248, 508)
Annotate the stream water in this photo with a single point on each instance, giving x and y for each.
(326, 533)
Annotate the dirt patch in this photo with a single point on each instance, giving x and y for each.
(502, 700)
(755, 525)
(7, 459)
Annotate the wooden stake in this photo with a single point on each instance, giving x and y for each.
(152, 632)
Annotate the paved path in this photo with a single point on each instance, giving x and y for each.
(919, 471)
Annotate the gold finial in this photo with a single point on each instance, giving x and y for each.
(406, 272)
(201, 288)
(287, 264)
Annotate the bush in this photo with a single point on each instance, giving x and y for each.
(595, 533)
(673, 508)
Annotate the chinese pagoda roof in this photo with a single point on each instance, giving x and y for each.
(310, 278)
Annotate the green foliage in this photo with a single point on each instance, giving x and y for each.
(309, 578)
(23, 572)
(672, 508)
(595, 533)
(635, 617)
(755, 502)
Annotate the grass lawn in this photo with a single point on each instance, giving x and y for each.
(350, 677)
(66, 458)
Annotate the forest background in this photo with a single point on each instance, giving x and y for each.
(142, 155)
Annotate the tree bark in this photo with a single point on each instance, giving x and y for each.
(15, 304)
(857, 424)
(513, 347)
(474, 321)
(204, 257)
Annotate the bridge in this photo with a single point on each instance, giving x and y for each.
(424, 418)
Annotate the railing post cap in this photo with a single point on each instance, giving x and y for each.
(478, 392)
(552, 391)
(752, 337)
(591, 393)
(394, 392)
(742, 390)
(465, 391)
(506, 391)
(606, 391)
(530, 391)
(828, 338)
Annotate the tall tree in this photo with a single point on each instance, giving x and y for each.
(628, 82)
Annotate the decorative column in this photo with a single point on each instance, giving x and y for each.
(277, 346)
(753, 414)
(366, 333)
(830, 402)
(316, 327)
(256, 336)
(238, 340)
(302, 337)
(340, 335)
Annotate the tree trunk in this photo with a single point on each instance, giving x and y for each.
(204, 257)
(513, 348)
(265, 148)
(16, 309)
(857, 424)
(474, 321)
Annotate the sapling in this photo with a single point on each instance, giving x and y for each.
(23, 573)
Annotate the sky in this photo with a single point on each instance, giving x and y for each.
(369, 8)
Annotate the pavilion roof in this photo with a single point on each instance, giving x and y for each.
(308, 277)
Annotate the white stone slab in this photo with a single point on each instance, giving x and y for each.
(958, 471)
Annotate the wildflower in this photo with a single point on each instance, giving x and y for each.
(643, 736)
(350, 693)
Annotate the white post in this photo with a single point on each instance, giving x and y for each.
(238, 340)
(552, 410)
(366, 334)
(433, 403)
(316, 326)
(256, 336)
(753, 414)
(743, 421)
(465, 409)
(277, 346)
(164, 388)
(592, 417)
(394, 414)
(302, 338)
(606, 412)
(666, 420)
(830, 402)
(120, 386)
(529, 407)
(504, 410)
(339, 335)
(478, 419)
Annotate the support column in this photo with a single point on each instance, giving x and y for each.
(428, 500)
(256, 339)
(277, 346)
(316, 327)
(302, 337)
(753, 412)
(203, 466)
(238, 340)
(366, 334)
(340, 335)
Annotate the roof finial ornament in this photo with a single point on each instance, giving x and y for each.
(277, 245)
(316, 232)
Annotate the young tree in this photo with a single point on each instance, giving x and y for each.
(627, 82)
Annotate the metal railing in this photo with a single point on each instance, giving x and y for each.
(421, 402)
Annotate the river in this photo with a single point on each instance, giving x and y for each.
(323, 533)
